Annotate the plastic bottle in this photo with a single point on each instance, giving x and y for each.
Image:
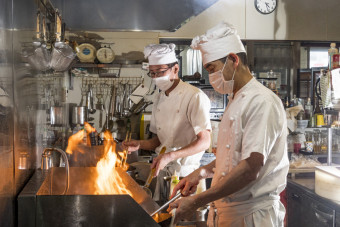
(331, 51)
(174, 182)
(308, 109)
(318, 114)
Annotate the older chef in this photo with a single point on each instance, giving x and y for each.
(251, 163)
(180, 118)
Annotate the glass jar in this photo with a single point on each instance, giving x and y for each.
(324, 142)
(317, 141)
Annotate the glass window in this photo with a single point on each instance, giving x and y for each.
(318, 57)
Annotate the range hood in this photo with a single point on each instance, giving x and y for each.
(129, 15)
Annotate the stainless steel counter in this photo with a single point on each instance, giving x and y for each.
(307, 184)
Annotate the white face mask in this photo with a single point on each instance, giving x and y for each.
(217, 81)
(164, 82)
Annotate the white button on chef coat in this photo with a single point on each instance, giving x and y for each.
(183, 114)
(255, 122)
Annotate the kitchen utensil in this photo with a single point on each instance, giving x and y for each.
(125, 152)
(89, 100)
(62, 56)
(132, 172)
(152, 172)
(129, 210)
(125, 101)
(137, 108)
(62, 53)
(57, 115)
(165, 205)
(112, 108)
(79, 115)
(83, 94)
(38, 56)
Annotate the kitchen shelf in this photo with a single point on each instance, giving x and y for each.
(111, 65)
(325, 155)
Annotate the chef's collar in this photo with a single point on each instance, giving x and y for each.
(245, 87)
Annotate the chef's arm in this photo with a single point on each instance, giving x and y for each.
(135, 145)
(239, 177)
(150, 144)
(201, 143)
(188, 185)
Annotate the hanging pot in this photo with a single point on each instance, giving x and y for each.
(79, 115)
(62, 56)
(57, 115)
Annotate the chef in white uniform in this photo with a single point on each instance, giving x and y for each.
(180, 118)
(251, 164)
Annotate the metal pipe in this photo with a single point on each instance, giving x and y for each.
(45, 163)
(329, 147)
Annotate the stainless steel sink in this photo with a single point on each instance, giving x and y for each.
(40, 202)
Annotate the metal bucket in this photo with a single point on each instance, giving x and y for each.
(57, 115)
(62, 56)
(38, 56)
(79, 115)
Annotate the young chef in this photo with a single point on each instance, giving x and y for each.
(180, 118)
(251, 163)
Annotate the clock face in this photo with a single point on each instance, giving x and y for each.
(265, 6)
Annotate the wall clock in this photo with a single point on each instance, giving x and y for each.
(265, 6)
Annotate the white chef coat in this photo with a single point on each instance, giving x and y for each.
(177, 119)
(254, 121)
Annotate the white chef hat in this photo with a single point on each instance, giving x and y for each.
(160, 54)
(218, 42)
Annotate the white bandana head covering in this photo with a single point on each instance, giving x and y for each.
(160, 54)
(218, 42)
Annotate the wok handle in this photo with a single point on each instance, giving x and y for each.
(148, 181)
(166, 204)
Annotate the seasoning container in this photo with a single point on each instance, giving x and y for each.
(174, 182)
(332, 51)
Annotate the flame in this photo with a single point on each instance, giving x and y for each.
(89, 128)
(73, 144)
(108, 179)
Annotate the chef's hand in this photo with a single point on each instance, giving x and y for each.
(131, 146)
(188, 185)
(185, 208)
(160, 162)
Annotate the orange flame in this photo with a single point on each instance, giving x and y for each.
(108, 180)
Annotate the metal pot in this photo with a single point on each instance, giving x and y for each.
(79, 115)
(132, 172)
(57, 115)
